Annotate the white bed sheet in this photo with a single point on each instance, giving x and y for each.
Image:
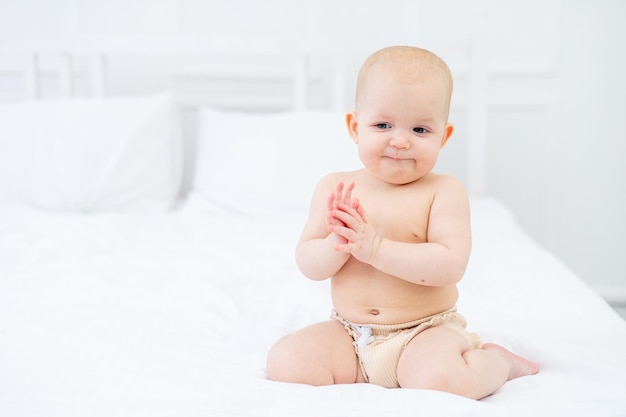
(172, 315)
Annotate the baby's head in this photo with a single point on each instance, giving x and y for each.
(400, 122)
(405, 64)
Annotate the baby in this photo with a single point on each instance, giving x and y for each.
(395, 239)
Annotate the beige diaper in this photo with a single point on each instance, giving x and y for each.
(379, 346)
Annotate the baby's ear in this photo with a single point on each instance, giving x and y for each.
(352, 126)
(447, 132)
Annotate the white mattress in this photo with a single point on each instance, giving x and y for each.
(172, 314)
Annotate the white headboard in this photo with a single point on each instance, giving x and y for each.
(239, 75)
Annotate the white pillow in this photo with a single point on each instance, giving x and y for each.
(89, 155)
(256, 163)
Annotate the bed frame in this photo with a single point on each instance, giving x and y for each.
(202, 71)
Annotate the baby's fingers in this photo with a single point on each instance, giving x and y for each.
(361, 211)
(343, 248)
(331, 202)
(347, 193)
(331, 220)
(339, 190)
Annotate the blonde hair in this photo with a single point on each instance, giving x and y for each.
(409, 64)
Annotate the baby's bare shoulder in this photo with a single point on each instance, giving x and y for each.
(328, 184)
(443, 180)
(441, 183)
(329, 181)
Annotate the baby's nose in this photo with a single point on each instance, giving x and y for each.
(400, 140)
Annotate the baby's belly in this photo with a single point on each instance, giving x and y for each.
(372, 297)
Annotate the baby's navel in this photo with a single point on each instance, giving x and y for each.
(374, 312)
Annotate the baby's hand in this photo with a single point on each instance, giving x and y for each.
(350, 224)
(341, 196)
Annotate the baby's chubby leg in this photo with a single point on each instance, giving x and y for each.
(442, 359)
(320, 354)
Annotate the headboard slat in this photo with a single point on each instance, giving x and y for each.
(250, 76)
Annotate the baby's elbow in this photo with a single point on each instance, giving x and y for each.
(308, 271)
(311, 269)
(457, 276)
(456, 267)
(457, 271)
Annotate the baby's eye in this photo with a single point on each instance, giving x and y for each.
(383, 125)
(420, 130)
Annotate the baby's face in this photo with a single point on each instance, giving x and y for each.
(401, 127)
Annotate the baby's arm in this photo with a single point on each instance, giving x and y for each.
(439, 261)
(315, 255)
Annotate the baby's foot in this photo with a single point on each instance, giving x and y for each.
(519, 366)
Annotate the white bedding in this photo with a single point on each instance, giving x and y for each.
(111, 305)
(171, 314)
(90, 155)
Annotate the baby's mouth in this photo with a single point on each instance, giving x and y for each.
(397, 158)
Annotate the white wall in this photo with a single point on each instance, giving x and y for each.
(556, 89)
(585, 222)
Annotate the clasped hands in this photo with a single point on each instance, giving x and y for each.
(347, 221)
